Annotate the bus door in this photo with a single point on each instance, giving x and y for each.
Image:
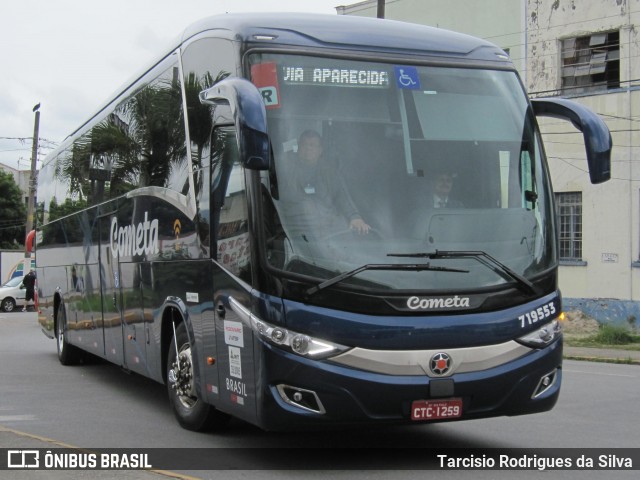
(110, 294)
(231, 275)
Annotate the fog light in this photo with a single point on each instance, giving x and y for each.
(302, 398)
(545, 383)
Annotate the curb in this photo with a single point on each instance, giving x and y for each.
(606, 355)
(620, 360)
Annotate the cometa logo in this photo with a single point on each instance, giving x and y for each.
(133, 239)
(417, 303)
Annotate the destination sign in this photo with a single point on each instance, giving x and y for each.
(344, 77)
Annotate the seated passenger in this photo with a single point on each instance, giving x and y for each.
(442, 185)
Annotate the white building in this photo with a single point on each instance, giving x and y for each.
(587, 51)
(499, 21)
(21, 177)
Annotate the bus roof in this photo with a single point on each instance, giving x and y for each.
(349, 32)
(338, 32)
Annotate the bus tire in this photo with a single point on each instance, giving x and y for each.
(191, 411)
(67, 353)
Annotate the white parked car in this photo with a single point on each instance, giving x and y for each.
(12, 294)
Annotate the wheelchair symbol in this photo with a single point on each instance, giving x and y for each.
(405, 80)
(407, 77)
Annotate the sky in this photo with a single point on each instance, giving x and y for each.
(70, 55)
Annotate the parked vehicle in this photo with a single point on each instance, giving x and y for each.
(12, 294)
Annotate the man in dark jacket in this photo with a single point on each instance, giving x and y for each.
(315, 194)
(29, 283)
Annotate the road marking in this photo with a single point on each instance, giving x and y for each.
(34, 437)
(598, 373)
(16, 418)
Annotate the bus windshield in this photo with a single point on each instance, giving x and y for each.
(377, 167)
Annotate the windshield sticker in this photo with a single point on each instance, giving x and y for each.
(407, 78)
(265, 77)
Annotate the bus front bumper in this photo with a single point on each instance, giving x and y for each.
(299, 393)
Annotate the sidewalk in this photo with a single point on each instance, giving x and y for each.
(612, 355)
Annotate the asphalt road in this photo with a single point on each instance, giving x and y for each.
(98, 406)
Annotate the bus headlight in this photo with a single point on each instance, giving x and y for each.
(298, 343)
(543, 336)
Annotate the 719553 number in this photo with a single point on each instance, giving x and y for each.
(537, 315)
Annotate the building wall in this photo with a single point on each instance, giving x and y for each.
(11, 264)
(499, 21)
(611, 239)
(548, 22)
(609, 210)
(606, 282)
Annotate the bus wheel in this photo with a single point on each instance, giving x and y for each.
(67, 354)
(191, 412)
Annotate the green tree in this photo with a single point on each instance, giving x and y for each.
(13, 213)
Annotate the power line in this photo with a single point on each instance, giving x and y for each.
(586, 172)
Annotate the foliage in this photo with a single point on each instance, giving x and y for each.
(608, 336)
(67, 208)
(13, 213)
(614, 335)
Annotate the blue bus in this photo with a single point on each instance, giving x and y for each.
(305, 220)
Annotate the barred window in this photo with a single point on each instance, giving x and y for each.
(569, 211)
(591, 63)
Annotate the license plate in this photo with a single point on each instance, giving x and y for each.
(436, 409)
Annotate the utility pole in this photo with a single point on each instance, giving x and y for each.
(33, 179)
(381, 8)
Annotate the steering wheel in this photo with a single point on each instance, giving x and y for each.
(377, 235)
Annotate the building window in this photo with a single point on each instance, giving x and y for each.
(591, 63)
(569, 211)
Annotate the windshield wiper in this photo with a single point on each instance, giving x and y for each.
(483, 257)
(413, 267)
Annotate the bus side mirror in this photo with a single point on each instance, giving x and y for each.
(597, 138)
(249, 116)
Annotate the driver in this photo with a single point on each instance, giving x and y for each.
(315, 189)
